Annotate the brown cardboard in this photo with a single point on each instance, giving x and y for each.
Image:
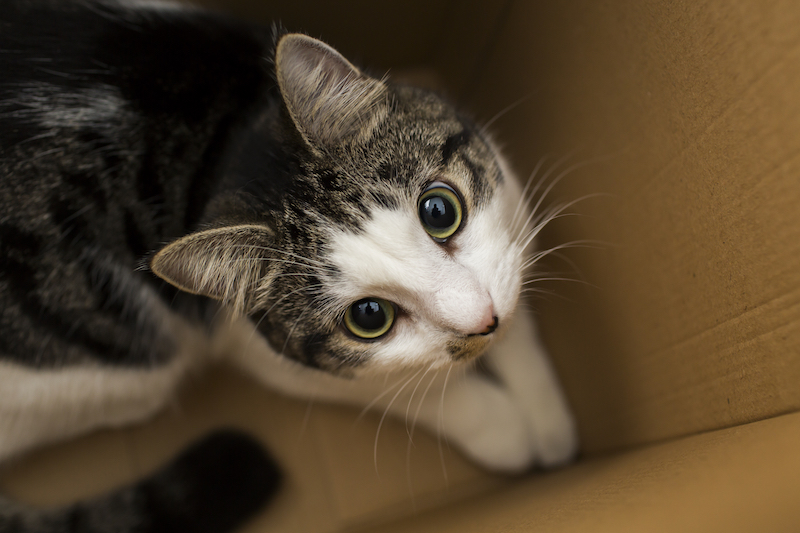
(333, 479)
(685, 115)
(727, 480)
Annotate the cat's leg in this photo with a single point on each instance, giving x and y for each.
(468, 410)
(476, 415)
(521, 363)
(511, 425)
(40, 406)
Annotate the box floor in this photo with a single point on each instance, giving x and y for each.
(336, 476)
(737, 479)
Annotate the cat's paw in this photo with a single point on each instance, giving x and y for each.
(554, 435)
(488, 426)
(521, 364)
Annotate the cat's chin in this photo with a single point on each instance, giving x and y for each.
(468, 349)
(459, 353)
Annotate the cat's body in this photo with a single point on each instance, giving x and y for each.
(288, 188)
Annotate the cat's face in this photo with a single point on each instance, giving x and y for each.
(437, 302)
(395, 246)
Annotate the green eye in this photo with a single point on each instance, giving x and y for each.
(369, 318)
(440, 211)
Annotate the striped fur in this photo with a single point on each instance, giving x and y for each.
(178, 188)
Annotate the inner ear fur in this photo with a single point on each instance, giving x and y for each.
(327, 97)
(222, 263)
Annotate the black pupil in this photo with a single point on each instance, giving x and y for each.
(368, 314)
(437, 212)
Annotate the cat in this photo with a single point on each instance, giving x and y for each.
(179, 188)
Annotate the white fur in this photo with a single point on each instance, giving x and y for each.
(41, 406)
(522, 420)
(508, 425)
(395, 259)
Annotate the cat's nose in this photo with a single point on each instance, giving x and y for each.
(488, 324)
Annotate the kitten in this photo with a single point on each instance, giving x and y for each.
(178, 188)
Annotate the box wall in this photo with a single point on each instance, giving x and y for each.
(684, 117)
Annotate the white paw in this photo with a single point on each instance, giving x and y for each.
(554, 435)
(522, 365)
(484, 421)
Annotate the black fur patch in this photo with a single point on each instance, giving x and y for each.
(212, 487)
(100, 194)
(453, 143)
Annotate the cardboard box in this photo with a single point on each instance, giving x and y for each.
(681, 352)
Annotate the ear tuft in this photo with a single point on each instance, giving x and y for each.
(328, 98)
(224, 264)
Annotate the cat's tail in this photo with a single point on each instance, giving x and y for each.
(212, 487)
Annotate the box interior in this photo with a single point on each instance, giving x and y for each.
(675, 127)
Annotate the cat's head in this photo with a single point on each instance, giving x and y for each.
(390, 242)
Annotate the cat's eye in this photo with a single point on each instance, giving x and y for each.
(369, 318)
(440, 211)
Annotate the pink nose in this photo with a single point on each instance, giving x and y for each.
(488, 323)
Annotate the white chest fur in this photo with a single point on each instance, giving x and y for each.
(39, 406)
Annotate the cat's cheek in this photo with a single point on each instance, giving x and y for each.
(407, 346)
(489, 252)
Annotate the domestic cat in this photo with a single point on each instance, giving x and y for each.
(178, 188)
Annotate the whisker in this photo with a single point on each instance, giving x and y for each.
(285, 252)
(553, 213)
(549, 216)
(543, 294)
(569, 262)
(442, 428)
(536, 280)
(306, 417)
(538, 291)
(411, 399)
(539, 184)
(503, 111)
(565, 172)
(534, 232)
(264, 315)
(524, 199)
(580, 281)
(566, 205)
(291, 331)
(386, 390)
(422, 400)
(383, 417)
(572, 244)
(413, 427)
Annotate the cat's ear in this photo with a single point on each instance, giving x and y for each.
(327, 97)
(224, 264)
